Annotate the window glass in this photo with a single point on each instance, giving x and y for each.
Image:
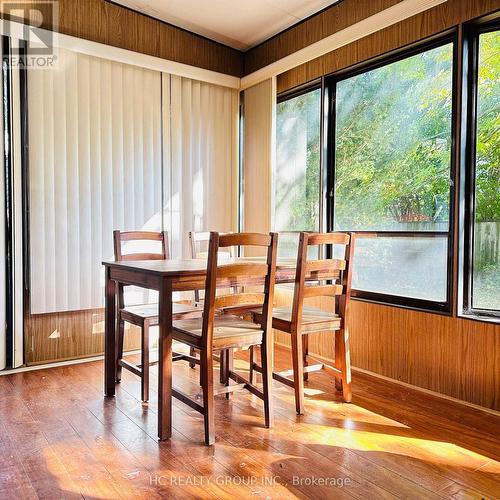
(296, 179)
(486, 250)
(393, 145)
(413, 267)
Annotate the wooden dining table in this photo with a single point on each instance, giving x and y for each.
(166, 277)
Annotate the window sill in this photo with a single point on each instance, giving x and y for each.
(475, 316)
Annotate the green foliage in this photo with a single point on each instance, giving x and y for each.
(393, 154)
(488, 130)
(393, 144)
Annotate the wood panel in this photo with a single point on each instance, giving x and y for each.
(313, 29)
(453, 356)
(61, 439)
(69, 335)
(111, 24)
(429, 23)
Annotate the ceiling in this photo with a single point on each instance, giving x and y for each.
(241, 24)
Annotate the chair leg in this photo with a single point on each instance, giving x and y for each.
(207, 368)
(298, 371)
(252, 361)
(145, 362)
(119, 349)
(229, 367)
(305, 353)
(222, 367)
(266, 356)
(192, 352)
(343, 361)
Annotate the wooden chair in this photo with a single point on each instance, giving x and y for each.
(332, 278)
(198, 242)
(223, 333)
(146, 315)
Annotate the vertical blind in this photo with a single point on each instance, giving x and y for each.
(201, 184)
(97, 131)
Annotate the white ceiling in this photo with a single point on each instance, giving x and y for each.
(241, 24)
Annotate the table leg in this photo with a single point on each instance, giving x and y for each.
(165, 360)
(110, 336)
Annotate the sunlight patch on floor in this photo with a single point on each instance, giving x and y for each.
(431, 451)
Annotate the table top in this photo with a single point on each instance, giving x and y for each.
(187, 267)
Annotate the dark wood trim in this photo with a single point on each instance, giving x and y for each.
(470, 62)
(8, 202)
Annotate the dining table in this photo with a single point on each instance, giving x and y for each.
(166, 277)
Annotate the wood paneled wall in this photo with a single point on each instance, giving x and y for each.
(449, 355)
(325, 23)
(69, 335)
(111, 24)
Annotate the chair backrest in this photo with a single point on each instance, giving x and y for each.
(330, 277)
(120, 237)
(198, 243)
(236, 274)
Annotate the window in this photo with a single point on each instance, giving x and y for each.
(296, 179)
(482, 274)
(390, 175)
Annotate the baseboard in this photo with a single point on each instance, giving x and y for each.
(55, 364)
(405, 384)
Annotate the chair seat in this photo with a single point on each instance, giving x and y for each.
(139, 313)
(229, 331)
(313, 319)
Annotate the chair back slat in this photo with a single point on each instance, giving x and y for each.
(244, 239)
(220, 275)
(242, 270)
(143, 256)
(323, 291)
(325, 265)
(141, 235)
(324, 272)
(236, 299)
(328, 238)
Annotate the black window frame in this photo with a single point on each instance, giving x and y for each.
(471, 35)
(331, 81)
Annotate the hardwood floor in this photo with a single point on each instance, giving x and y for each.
(60, 438)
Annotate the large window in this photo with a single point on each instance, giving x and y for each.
(483, 216)
(392, 175)
(296, 179)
